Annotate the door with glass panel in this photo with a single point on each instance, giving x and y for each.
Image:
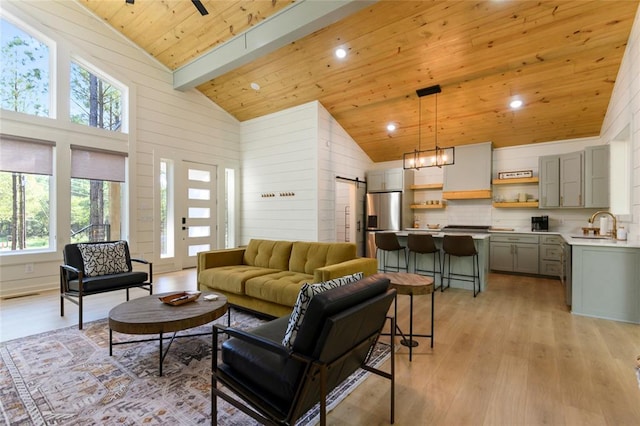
(198, 214)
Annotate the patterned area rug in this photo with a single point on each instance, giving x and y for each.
(66, 377)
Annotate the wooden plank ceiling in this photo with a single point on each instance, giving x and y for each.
(560, 57)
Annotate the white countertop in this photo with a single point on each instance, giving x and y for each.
(568, 237)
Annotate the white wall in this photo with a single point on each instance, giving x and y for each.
(164, 122)
(338, 155)
(279, 156)
(624, 110)
(299, 150)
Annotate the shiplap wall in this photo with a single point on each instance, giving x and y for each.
(338, 155)
(164, 123)
(299, 150)
(623, 110)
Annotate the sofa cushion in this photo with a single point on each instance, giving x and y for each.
(268, 254)
(104, 258)
(304, 298)
(231, 278)
(306, 257)
(280, 287)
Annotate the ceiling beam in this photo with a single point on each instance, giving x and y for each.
(299, 20)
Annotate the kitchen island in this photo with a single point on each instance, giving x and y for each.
(459, 265)
(605, 278)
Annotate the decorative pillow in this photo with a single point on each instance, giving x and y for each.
(104, 258)
(302, 303)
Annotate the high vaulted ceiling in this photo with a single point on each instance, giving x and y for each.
(560, 57)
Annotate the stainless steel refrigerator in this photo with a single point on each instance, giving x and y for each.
(384, 213)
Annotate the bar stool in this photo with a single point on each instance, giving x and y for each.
(424, 244)
(460, 246)
(388, 242)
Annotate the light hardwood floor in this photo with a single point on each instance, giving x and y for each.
(512, 356)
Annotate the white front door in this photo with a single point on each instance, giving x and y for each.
(197, 228)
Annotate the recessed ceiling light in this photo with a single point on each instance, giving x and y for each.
(516, 103)
(391, 127)
(255, 86)
(341, 53)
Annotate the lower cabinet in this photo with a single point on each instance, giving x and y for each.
(551, 247)
(606, 282)
(514, 253)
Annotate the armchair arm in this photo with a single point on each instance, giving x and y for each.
(146, 262)
(64, 279)
(366, 265)
(256, 340)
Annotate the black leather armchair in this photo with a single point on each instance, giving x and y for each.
(74, 285)
(275, 385)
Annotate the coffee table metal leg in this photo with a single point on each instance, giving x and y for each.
(110, 342)
(160, 357)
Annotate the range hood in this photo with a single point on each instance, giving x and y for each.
(470, 176)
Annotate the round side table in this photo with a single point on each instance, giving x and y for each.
(411, 284)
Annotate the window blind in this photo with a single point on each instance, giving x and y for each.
(96, 164)
(24, 155)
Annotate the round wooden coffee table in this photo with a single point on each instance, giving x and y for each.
(149, 315)
(411, 284)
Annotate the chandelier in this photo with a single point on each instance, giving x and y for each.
(436, 157)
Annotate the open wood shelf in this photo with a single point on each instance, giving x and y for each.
(515, 181)
(427, 206)
(426, 186)
(516, 205)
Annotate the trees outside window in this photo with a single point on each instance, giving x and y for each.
(26, 167)
(94, 101)
(24, 71)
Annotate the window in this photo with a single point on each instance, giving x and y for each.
(167, 247)
(230, 202)
(94, 101)
(24, 72)
(97, 195)
(26, 167)
(620, 184)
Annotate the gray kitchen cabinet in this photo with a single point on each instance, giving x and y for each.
(561, 180)
(389, 180)
(551, 247)
(606, 282)
(596, 176)
(571, 180)
(514, 253)
(549, 181)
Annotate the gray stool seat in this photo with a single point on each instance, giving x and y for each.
(424, 244)
(461, 246)
(388, 242)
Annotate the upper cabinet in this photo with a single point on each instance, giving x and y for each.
(596, 176)
(561, 180)
(470, 176)
(389, 180)
(577, 179)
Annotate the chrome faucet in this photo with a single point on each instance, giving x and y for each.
(615, 221)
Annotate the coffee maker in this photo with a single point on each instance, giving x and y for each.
(539, 223)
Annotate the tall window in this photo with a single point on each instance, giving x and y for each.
(94, 101)
(167, 246)
(26, 167)
(24, 72)
(97, 195)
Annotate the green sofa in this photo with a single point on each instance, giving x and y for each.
(266, 276)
